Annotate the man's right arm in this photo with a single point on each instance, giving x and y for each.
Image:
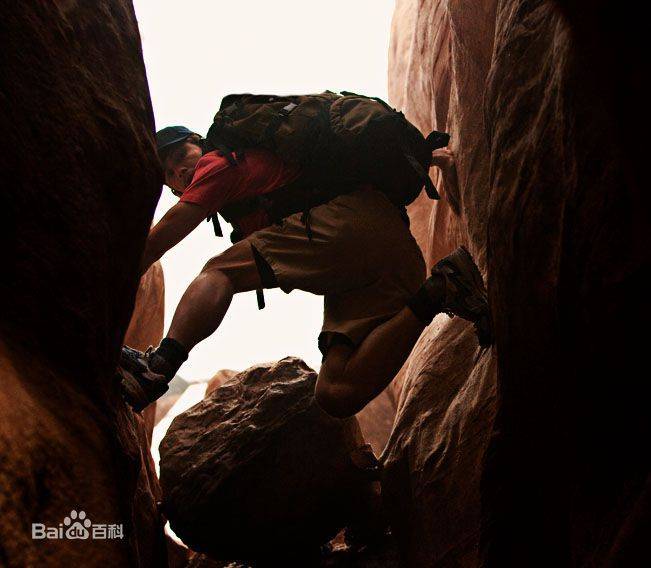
(175, 225)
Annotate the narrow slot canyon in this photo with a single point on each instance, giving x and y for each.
(526, 453)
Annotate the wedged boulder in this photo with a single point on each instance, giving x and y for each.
(257, 469)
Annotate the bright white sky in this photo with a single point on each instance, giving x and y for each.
(197, 51)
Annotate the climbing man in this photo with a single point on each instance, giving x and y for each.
(357, 251)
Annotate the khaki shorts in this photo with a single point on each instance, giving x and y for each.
(362, 258)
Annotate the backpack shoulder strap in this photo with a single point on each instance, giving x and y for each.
(207, 146)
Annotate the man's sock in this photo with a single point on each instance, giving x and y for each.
(167, 358)
(427, 302)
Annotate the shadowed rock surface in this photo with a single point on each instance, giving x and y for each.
(257, 470)
(80, 183)
(376, 419)
(528, 454)
(567, 217)
(381, 554)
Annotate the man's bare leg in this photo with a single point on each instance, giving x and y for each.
(350, 378)
(205, 303)
(144, 377)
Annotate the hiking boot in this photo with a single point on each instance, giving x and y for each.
(140, 384)
(465, 295)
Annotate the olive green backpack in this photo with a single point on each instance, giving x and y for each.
(339, 141)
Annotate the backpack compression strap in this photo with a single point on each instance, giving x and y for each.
(207, 146)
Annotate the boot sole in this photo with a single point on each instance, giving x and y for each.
(135, 394)
(131, 364)
(462, 262)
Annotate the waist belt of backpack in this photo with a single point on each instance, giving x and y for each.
(298, 196)
(274, 203)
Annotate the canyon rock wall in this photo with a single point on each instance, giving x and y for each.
(218, 379)
(568, 222)
(530, 453)
(146, 325)
(80, 183)
(376, 419)
(433, 460)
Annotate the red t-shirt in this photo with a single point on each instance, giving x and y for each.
(216, 183)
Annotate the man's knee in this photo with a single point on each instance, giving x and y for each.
(238, 266)
(215, 279)
(329, 397)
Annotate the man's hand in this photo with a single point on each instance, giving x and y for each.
(175, 225)
(443, 158)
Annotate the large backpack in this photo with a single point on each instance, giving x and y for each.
(339, 141)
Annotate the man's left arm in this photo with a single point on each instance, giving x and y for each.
(445, 160)
(175, 225)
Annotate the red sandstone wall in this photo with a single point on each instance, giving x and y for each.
(433, 460)
(529, 454)
(146, 325)
(80, 183)
(218, 379)
(568, 222)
